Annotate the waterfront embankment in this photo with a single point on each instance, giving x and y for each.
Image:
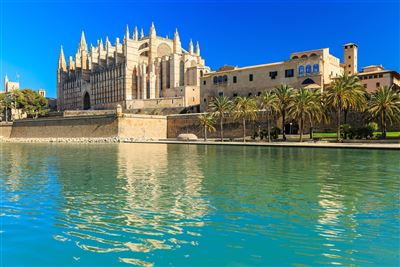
(116, 139)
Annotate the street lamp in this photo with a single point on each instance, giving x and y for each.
(290, 128)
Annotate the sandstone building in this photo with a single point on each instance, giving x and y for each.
(375, 76)
(9, 85)
(141, 72)
(308, 69)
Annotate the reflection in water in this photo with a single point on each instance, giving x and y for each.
(145, 205)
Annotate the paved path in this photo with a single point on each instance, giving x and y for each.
(392, 146)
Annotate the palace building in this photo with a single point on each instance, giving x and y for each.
(314, 69)
(144, 71)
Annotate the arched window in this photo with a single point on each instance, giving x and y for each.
(201, 73)
(301, 70)
(308, 81)
(308, 69)
(316, 68)
(304, 56)
(313, 55)
(215, 79)
(295, 57)
(225, 78)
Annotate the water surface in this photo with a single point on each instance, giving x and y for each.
(168, 205)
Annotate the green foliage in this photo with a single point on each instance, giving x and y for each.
(385, 106)
(346, 130)
(345, 93)
(306, 104)
(245, 108)
(275, 132)
(207, 121)
(31, 102)
(284, 94)
(221, 107)
(373, 126)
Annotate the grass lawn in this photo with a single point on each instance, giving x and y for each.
(325, 135)
(389, 135)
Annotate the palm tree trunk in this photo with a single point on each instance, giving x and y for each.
(222, 129)
(346, 111)
(301, 129)
(205, 133)
(268, 128)
(283, 125)
(244, 129)
(338, 125)
(384, 124)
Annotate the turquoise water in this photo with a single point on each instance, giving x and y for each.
(168, 205)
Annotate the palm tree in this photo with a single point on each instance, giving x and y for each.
(245, 108)
(305, 104)
(385, 104)
(346, 92)
(284, 94)
(221, 106)
(207, 121)
(318, 112)
(269, 103)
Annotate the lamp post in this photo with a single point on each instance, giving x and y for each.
(290, 128)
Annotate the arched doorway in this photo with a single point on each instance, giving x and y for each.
(86, 101)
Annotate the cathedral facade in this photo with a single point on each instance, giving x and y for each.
(141, 72)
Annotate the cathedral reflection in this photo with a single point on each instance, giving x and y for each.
(131, 198)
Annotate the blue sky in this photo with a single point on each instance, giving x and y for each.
(230, 32)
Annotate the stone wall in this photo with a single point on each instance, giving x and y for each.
(168, 102)
(5, 129)
(80, 113)
(127, 126)
(95, 126)
(189, 123)
(142, 126)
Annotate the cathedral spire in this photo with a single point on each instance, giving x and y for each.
(197, 51)
(127, 32)
(71, 63)
(191, 46)
(135, 34)
(152, 30)
(177, 43)
(82, 42)
(61, 60)
(141, 33)
(101, 47)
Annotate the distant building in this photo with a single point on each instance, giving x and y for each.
(52, 103)
(309, 69)
(42, 92)
(142, 72)
(10, 86)
(375, 76)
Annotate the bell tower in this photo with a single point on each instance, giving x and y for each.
(350, 58)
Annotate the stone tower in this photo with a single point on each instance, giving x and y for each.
(350, 58)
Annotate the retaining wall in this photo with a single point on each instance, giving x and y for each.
(5, 129)
(96, 126)
(132, 126)
(142, 126)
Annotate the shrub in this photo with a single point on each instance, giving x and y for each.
(346, 131)
(275, 131)
(373, 126)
